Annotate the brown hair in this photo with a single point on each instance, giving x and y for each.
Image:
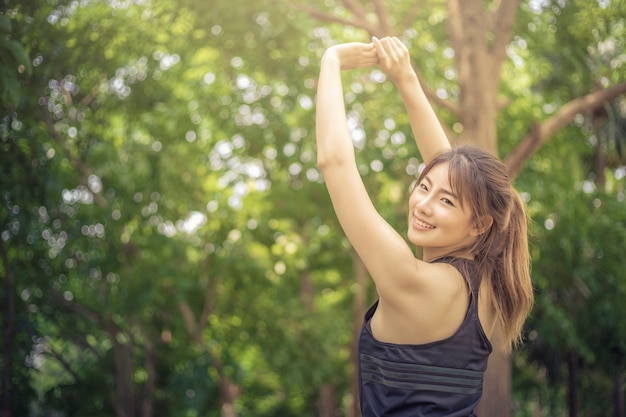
(501, 251)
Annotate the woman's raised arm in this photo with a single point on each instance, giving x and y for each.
(386, 255)
(334, 144)
(394, 61)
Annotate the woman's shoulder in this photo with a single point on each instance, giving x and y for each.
(424, 283)
(465, 266)
(444, 277)
(430, 309)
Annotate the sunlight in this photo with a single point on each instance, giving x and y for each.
(193, 222)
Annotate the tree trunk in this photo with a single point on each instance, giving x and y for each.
(306, 291)
(620, 408)
(228, 390)
(467, 29)
(358, 310)
(124, 396)
(229, 393)
(326, 401)
(496, 400)
(327, 407)
(479, 39)
(572, 392)
(147, 400)
(597, 117)
(7, 333)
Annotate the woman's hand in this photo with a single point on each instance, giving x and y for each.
(393, 58)
(353, 55)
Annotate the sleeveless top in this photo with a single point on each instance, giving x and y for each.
(437, 379)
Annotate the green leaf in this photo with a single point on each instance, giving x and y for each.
(5, 24)
(19, 54)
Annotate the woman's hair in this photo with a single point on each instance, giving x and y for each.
(501, 252)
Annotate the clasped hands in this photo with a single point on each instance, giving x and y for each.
(389, 53)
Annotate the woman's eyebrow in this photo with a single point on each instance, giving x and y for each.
(443, 190)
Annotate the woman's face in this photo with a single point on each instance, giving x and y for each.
(437, 222)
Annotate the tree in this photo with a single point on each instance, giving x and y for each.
(166, 234)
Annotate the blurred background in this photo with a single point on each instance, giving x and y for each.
(168, 248)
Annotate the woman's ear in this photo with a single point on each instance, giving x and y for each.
(481, 225)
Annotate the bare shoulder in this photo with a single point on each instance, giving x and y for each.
(426, 308)
(441, 276)
(434, 282)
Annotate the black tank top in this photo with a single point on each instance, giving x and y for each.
(438, 379)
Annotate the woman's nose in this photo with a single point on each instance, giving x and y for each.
(424, 205)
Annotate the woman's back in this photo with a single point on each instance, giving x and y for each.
(441, 378)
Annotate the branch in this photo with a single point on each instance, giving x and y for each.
(383, 17)
(503, 19)
(93, 94)
(541, 133)
(356, 8)
(228, 390)
(79, 340)
(208, 308)
(328, 17)
(65, 364)
(72, 306)
(501, 22)
(190, 322)
(194, 327)
(433, 98)
(82, 168)
(455, 24)
(409, 19)
(381, 31)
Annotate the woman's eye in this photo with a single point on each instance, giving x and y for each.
(423, 187)
(448, 202)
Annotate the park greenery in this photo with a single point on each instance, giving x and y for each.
(167, 246)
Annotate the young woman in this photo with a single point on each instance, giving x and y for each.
(424, 344)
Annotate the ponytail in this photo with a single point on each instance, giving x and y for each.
(501, 252)
(507, 271)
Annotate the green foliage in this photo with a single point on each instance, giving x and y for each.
(581, 287)
(169, 233)
(14, 61)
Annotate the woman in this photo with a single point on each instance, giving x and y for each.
(424, 344)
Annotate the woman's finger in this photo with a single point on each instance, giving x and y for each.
(398, 43)
(380, 49)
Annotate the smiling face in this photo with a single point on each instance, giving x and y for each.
(438, 222)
